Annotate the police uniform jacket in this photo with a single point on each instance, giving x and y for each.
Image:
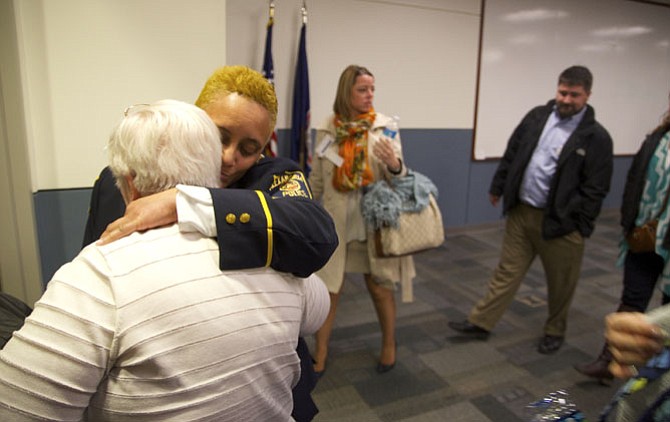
(582, 177)
(267, 218)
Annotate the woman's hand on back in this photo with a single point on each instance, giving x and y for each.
(141, 214)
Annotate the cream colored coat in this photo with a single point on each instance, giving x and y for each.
(335, 202)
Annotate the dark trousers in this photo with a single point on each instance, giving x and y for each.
(641, 272)
(12, 313)
(304, 408)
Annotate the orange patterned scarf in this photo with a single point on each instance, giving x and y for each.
(352, 138)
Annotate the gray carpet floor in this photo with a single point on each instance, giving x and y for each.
(441, 376)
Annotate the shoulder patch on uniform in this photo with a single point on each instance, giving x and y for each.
(290, 184)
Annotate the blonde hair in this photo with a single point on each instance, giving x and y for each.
(342, 104)
(163, 144)
(243, 81)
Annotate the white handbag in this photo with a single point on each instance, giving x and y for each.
(416, 232)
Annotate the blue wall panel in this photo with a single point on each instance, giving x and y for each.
(479, 208)
(60, 219)
(444, 155)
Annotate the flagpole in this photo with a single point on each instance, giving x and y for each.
(303, 140)
(300, 127)
(271, 149)
(304, 12)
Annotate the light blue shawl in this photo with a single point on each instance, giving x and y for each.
(383, 202)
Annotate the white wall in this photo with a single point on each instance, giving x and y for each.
(84, 61)
(625, 44)
(423, 53)
(19, 258)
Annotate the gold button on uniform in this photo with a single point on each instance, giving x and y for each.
(245, 217)
(230, 218)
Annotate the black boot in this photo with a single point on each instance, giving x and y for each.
(599, 368)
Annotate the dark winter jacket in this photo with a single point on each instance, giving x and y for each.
(582, 177)
(637, 175)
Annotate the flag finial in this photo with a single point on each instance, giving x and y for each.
(272, 9)
(304, 12)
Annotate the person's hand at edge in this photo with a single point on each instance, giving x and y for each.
(141, 214)
(493, 199)
(632, 339)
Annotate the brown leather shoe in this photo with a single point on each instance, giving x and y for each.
(550, 344)
(469, 329)
(599, 368)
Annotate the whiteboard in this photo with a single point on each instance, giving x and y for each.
(527, 43)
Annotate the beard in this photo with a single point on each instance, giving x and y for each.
(566, 110)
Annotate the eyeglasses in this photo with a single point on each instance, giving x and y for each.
(129, 108)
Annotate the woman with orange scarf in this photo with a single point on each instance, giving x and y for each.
(351, 153)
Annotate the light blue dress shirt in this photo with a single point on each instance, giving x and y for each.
(542, 166)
